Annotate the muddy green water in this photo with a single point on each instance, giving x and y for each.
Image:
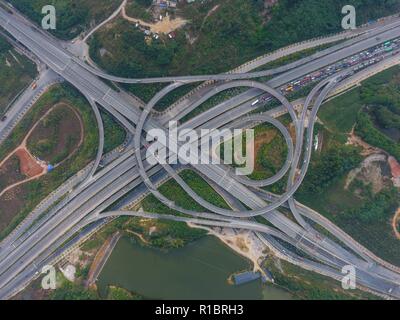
(197, 271)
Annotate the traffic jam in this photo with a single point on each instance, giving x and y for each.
(358, 62)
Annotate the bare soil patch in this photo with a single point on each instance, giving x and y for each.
(367, 149)
(20, 166)
(28, 164)
(166, 25)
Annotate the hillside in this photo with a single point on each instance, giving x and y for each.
(222, 34)
(73, 16)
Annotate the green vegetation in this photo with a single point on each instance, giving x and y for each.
(271, 153)
(293, 21)
(213, 101)
(363, 214)
(4, 45)
(139, 9)
(382, 100)
(218, 42)
(10, 172)
(221, 35)
(72, 291)
(356, 209)
(116, 293)
(379, 208)
(166, 234)
(173, 191)
(33, 192)
(170, 233)
(67, 290)
(106, 232)
(114, 134)
(163, 234)
(294, 56)
(73, 16)
(307, 285)
(56, 136)
(16, 73)
(328, 168)
(371, 108)
(366, 130)
(340, 114)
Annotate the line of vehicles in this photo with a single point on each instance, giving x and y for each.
(358, 61)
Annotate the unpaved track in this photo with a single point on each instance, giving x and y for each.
(31, 162)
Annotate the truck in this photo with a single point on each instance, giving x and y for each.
(289, 89)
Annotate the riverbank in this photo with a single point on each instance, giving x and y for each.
(244, 243)
(200, 270)
(101, 258)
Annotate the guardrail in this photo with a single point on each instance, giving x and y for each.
(328, 39)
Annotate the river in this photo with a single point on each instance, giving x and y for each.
(198, 271)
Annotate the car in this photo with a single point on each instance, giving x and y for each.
(4, 118)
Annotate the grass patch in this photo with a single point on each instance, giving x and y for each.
(56, 136)
(170, 234)
(117, 293)
(307, 285)
(139, 10)
(173, 191)
(114, 134)
(363, 215)
(16, 73)
(271, 152)
(67, 290)
(30, 194)
(340, 114)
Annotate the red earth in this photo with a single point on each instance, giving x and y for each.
(28, 164)
(395, 167)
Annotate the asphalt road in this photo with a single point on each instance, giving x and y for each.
(130, 115)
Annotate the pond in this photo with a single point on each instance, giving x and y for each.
(200, 270)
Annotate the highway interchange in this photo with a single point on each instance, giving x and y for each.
(24, 252)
